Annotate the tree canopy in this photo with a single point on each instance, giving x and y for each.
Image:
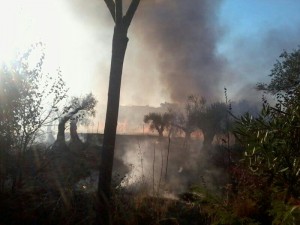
(29, 98)
(158, 121)
(272, 140)
(285, 76)
(77, 110)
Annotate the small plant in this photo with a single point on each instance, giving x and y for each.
(284, 213)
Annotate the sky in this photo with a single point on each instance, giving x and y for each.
(176, 47)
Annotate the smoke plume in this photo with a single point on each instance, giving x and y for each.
(183, 35)
(181, 47)
(172, 47)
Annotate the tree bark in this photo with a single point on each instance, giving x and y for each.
(61, 130)
(120, 41)
(160, 132)
(208, 139)
(73, 131)
(60, 142)
(187, 139)
(75, 143)
(119, 45)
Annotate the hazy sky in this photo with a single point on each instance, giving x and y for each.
(176, 47)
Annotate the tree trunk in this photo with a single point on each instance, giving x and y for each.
(75, 143)
(61, 131)
(73, 131)
(187, 139)
(119, 46)
(60, 143)
(208, 139)
(188, 135)
(160, 133)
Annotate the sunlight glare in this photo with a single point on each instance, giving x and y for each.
(25, 23)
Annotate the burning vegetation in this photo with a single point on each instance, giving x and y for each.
(208, 163)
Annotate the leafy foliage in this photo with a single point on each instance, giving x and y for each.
(30, 98)
(78, 110)
(272, 142)
(29, 101)
(83, 106)
(158, 121)
(285, 76)
(211, 119)
(214, 118)
(187, 121)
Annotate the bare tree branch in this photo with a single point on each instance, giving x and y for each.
(130, 12)
(111, 6)
(119, 11)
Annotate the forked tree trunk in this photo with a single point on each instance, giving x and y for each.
(119, 46)
(60, 142)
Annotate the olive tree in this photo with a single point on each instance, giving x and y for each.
(285, 76)
(272, 139)
(78, 109)
(212, 121)
(188, 121)
(158, 121)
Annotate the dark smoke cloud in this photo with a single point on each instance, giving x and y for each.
(172, 47)
(183, 35)
(174, 51)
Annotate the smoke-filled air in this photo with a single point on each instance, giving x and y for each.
(165, 112)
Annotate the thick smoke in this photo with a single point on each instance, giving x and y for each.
(181, 47)
(155, 169)
(172, 47)
(183, 35)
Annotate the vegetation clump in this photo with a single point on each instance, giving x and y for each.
(39, 183)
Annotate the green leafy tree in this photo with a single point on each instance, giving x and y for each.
(8, 121)
(272, 139)
(213, 120)
(9, 102)
(285, 76)
(187, 121)
(267, 179)
(272, 142)
(30, 99)
(159, 122)
(41, 95)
